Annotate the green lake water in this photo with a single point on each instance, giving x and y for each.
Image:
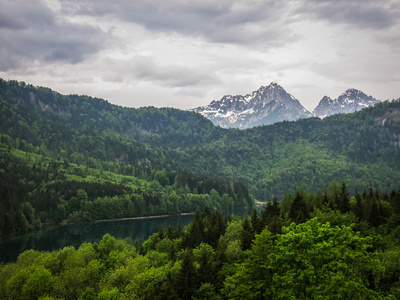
(58, 237)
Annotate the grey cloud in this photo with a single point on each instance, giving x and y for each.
(224, 21)
(30, 31)
(144, 68)
(371, 14)
(361, 70)
(23, 14)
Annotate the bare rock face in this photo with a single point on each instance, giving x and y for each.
(350, 101)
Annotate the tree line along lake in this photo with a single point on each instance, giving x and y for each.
(57, 237)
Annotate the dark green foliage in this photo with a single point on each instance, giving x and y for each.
(298, 211)
(256, 222)
(248, 234)
(36, 189)
(206, 227)
(344, 201)
(186, 281)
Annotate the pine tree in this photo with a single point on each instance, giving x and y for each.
(247, 237)
(298, 211)
(186, 280)
(344, 201)
(358, 209)
(255, 222)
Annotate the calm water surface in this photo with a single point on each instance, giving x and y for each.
(58, 237)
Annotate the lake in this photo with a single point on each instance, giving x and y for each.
(58, 237)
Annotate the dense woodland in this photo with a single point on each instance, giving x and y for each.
(76, 158)
(361, 149)
(323, 245)
(329, 230)
(36, 190)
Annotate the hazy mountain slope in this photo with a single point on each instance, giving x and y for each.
(33, 113)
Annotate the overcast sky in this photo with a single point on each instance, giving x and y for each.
(185, 54)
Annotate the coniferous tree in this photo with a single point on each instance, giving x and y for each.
(205, 256)
(344, 199)
(358, 209)
(255, 222)
(186, 280)
(194, 235)
(298, 211)
(247, 237)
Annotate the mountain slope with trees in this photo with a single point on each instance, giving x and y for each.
(180, 149)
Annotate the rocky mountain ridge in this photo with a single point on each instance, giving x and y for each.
(271, 104)
(350, 101)
(268, 105)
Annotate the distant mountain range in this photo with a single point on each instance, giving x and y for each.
(271, 104)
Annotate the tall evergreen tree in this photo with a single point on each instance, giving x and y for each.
(248, 235)
(186, 280)
(298, 211)
(358, 208)
(344, 202)
(256, 222)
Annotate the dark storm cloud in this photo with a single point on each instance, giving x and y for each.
(30, 31)
(372, 14)
(236, 22)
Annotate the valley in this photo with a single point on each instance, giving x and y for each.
(84, 159)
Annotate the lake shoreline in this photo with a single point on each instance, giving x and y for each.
(143, 218)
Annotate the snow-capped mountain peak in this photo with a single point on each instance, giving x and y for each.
(349, 101)
(267, 105)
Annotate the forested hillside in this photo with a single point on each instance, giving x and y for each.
(64, 155)
(324, 245)
(35, 189)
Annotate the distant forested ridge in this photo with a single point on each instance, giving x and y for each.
(66, 156)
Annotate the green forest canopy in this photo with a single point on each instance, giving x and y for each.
(360, 148)
(81, 158)
(318, 253)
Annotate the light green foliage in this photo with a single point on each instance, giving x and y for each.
(112, 294)
(146, 284)
(206, 292)
(157, 259)
(38, 283)
(161, 177)
(308, 261)
(233, 240)
(312, 260)
(315, 261)
(121, 276)
(334, 217)
(234, 231)
(203, 251)
(253, 277)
